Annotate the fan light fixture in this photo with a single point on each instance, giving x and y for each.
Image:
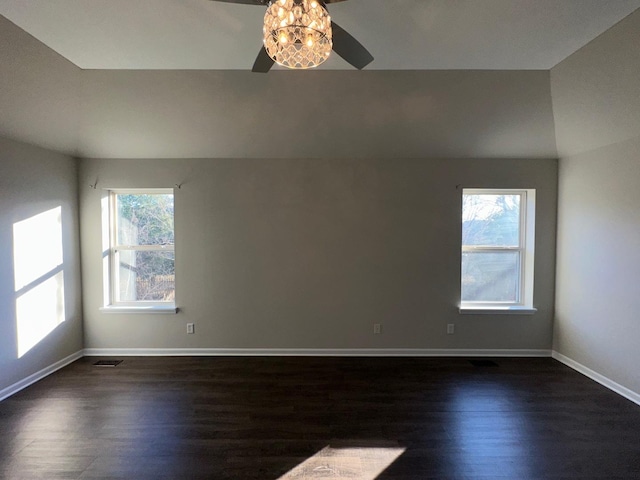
(297, 33)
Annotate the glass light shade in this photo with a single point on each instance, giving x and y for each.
(297, 33)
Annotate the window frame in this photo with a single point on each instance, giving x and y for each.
(525, 249)
(113, 304)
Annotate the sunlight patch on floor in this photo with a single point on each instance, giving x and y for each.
(362, 463)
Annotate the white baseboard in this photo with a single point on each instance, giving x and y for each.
(601, 379)
(314, 352)
(31, 379)
(320, 352)
(272, 352)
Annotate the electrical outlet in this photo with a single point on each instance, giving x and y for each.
(451, 327)
(191, 328)
(377, 328)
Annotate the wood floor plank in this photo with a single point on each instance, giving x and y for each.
(278, 418)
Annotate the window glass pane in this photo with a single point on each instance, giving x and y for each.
(490, 277)
(144, 219)
(491, 220)
(146, 276)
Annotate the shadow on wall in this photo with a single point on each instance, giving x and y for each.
(38, 277)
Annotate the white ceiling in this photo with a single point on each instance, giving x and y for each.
(401, 34)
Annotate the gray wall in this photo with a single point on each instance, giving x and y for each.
(596, 97)
(310, 253)
(47, 101)
(33, 181)
(40, 92)
(316, 114)
(294, 252)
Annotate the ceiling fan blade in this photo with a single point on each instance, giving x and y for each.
(349, 48)
(263, 62)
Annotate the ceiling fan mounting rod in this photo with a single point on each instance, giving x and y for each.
(268, 3)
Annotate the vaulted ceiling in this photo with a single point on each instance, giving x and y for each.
(401, 34)
(171, 79)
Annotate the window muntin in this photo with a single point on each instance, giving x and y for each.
(142, 263)
(497, 248)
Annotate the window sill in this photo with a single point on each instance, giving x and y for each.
(493, 310)
(150, 309)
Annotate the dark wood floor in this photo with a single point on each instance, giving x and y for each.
(307, 418)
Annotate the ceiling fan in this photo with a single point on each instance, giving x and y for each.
(300, 34)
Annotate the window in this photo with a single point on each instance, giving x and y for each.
(497, 250)
(141, 239)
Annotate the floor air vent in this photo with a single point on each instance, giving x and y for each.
(483, 363)
(107, 363)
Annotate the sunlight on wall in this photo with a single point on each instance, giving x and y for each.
(37, 246)
(38, 276)
(39, 311)
(365, 463)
